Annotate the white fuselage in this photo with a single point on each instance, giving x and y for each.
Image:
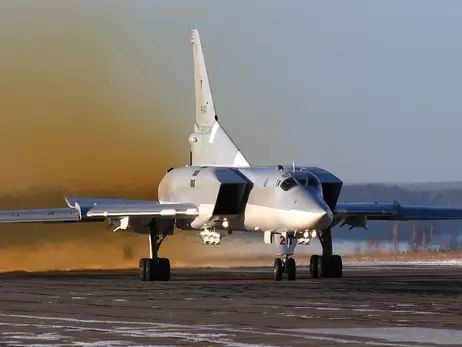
(252, 199)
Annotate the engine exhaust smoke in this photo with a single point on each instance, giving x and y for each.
(90, 108)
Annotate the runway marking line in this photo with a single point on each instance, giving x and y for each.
(164, 330)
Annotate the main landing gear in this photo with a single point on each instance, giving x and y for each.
(155, 268)
(327, 265)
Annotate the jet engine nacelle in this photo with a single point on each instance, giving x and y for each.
(219, 192)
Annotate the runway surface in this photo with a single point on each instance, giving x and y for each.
(371, 305)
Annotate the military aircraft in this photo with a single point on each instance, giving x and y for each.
(219, 191)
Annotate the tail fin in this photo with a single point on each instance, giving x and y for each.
(210, 144)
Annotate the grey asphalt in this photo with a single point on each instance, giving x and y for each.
(239, 307)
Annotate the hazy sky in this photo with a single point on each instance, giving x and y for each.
(368, 90)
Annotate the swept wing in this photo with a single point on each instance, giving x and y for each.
(97, 210)
(356, 214)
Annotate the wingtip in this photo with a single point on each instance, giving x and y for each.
(68, 201)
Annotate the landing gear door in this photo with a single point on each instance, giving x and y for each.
(285, 243)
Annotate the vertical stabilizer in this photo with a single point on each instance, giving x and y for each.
(210, 144)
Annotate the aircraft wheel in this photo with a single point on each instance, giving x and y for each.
(154, 270)
(278, 269)
(324, 267)
(337, 266)
(143, 266)
(314, 260)
(163, 268)
(151, 270)
(291, 269)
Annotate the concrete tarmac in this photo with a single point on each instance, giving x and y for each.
(371, 305)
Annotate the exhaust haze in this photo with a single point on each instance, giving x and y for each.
(93, 105)
(86, 111)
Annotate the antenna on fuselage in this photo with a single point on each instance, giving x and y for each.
(293, 166)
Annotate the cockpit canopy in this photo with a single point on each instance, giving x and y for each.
(307, 180)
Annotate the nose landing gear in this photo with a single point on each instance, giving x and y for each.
(287, 266)
(286, 244)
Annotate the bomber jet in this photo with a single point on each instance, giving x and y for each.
(220, 191)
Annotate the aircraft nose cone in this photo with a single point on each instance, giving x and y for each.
(310, 213)
(322, 219)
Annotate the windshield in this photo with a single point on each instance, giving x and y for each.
(309, 181)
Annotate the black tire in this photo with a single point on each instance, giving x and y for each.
(324, 267)
(337, 266)
(314, 260)
(291, 269)
(278, 269)
(313, 256)
(143, 263)
(151, 270)
(154, 270)
(164, 269)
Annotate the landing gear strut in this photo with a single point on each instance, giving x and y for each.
(327, 265)
(287, 244)
(155, 268)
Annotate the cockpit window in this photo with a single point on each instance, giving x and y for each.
(288, 183)
(312, 181)
(309, 181)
